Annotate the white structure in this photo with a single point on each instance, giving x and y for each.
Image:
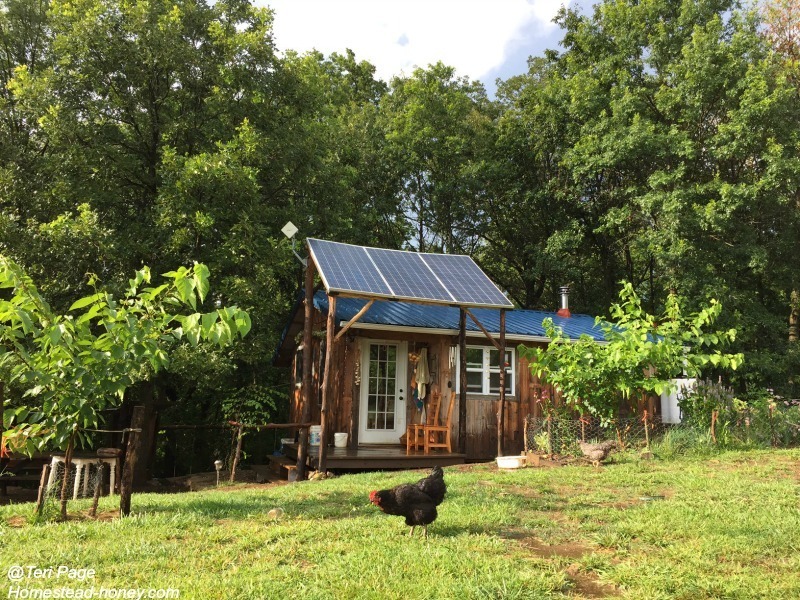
(670, 411)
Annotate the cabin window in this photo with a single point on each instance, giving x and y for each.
(483, 370)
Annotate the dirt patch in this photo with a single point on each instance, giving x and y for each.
(588, 585)
(543, 550)
(17, 521)
(539, 548)
(245, 479)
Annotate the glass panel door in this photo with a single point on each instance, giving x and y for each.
(383, 395)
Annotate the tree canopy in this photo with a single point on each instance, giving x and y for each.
(660, 145)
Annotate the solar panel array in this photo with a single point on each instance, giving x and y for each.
(439, 278)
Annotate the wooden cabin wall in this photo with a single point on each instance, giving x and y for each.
(482, 415)
(482, 411)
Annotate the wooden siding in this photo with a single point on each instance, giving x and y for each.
(530, 395)
(481, 410)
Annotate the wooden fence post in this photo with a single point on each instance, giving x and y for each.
(237, 455)
(64, 482)
(42, 489)
(97, 488)
(713, 426)
(131, 456)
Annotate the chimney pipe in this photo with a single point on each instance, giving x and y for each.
(564, 310)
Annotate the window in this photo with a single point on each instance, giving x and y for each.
(483, 370)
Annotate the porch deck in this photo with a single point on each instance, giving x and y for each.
(376, 458)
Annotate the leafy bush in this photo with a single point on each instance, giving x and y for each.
(642, 354)
(698, 403)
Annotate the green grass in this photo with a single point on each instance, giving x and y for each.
(728, 527)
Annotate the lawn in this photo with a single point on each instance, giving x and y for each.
(726, 527)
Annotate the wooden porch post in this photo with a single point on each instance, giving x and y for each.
(502, 360)
(302, 453)
(326, 386)
(462, 377)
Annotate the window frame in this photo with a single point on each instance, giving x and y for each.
(487, 370)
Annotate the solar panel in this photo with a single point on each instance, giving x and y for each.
(465, 279)
(344, 267)
(438, 278)
(408, 275)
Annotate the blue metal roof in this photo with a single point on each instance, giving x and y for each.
(519, 323)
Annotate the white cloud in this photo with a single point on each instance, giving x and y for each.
(474, 36)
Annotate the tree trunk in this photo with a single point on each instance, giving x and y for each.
(146, 395)
(131, 457)
(238, 453)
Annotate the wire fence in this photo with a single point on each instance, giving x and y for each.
(562, 435)
(90, 481)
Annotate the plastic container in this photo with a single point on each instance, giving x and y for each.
(285, 442)
(314, 433)
(340, 440)
(510, 462)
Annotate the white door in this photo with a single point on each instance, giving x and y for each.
(383, 392)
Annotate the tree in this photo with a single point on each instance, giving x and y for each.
(641, 354)
(71, 367)
(434, 122)
(677, 162)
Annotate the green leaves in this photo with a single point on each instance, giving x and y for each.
(641, 354)
(73, 369)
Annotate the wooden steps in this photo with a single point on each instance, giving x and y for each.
(284, 467)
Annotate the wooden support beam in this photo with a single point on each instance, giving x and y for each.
(501, 417)
(330, 341)
(482, 328)
(462, 377)
(355, 319)
(308, 325)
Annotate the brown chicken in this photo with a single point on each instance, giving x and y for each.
(597, 453)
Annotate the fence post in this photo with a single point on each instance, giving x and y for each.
(550, 433)
(42, 489)
(97, 488)
(525, 433)
(64, 482)
(238, 452)
(772, 438)
(714, 426)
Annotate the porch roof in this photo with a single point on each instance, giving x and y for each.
(521, 324)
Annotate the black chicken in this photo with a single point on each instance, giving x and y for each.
(416, 502)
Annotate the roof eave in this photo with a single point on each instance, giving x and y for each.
(453, 332)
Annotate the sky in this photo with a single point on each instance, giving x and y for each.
(482, 39)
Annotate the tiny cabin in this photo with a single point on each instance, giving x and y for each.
(372, 398)
(394, 338)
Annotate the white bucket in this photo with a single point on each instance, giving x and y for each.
(340, 440)
(313, 434)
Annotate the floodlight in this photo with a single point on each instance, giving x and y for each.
(289, 230)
